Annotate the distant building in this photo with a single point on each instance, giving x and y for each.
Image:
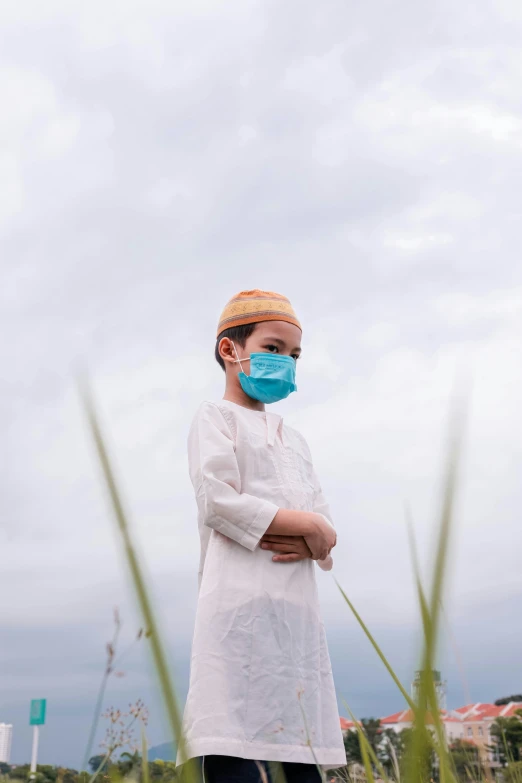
(452, 723)
(471, 723)
(477, 720)
(439, 684)
(6, 736)
(346, 725)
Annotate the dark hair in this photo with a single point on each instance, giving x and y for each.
(239, 334)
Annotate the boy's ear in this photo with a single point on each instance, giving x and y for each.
(226, 350)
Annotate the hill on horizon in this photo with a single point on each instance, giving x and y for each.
(164, 752)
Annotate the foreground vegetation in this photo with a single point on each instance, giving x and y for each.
(422, 755)
(126, 767)
(390, 749)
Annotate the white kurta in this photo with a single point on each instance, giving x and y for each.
(261, 684)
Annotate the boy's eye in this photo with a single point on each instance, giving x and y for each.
(275, 349)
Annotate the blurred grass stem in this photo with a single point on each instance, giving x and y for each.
(191, 770)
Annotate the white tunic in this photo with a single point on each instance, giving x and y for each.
(261, 683)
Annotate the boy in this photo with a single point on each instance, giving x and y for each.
(261, 686)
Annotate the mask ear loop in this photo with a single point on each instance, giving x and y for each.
(238, 359)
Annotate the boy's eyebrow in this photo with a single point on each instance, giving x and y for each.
(280, 342)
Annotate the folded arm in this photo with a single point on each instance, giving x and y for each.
(214, 473)
(321, 507)
(291, 537)
(215, 476)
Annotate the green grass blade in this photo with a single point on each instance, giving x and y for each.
(97, 772)
(363, 739)
(320, 770)
(395, 763)
(145, 772)
(99, 699)
(370, 778)
(446, 520)
(145, 604)
(276, 772)
(423, 602)
(376, 647)
(422, 742)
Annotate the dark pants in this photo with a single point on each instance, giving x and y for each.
(228, 769)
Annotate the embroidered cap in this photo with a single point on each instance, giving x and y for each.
(251, 307)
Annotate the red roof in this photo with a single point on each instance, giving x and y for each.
(449, 718)
(406, 716)
(480, 712)
(483, 712)
(511, 709)
(397, 717)
(467, 708)
(471, 713)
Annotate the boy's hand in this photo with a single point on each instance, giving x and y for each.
(290, 549)
(321, 539)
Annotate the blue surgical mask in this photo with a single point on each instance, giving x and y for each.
(272, 376)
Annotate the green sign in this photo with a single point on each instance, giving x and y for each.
(38, 707)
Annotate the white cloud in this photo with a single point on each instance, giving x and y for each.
(461, 309)
(419, 242)
(156, 159)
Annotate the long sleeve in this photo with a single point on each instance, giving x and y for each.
(216, 480)
(321, 507)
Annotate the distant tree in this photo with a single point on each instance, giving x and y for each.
(164, 771)
(49, 773)
(374, 734)
(373, 731)
(506, 734)
(45, 773)
(160, 772)
(129, 762)
(423, 765)
(66, 775)
(4, 768)
(391, 748)
(513, 773)
(96, 761)
(19, 773)
(466, 759)
(352, 748)
(508, 700)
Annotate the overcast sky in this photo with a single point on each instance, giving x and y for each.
(155, 158)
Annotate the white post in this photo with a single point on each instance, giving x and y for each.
(35, 751)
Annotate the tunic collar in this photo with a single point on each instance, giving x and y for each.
(274, 422)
